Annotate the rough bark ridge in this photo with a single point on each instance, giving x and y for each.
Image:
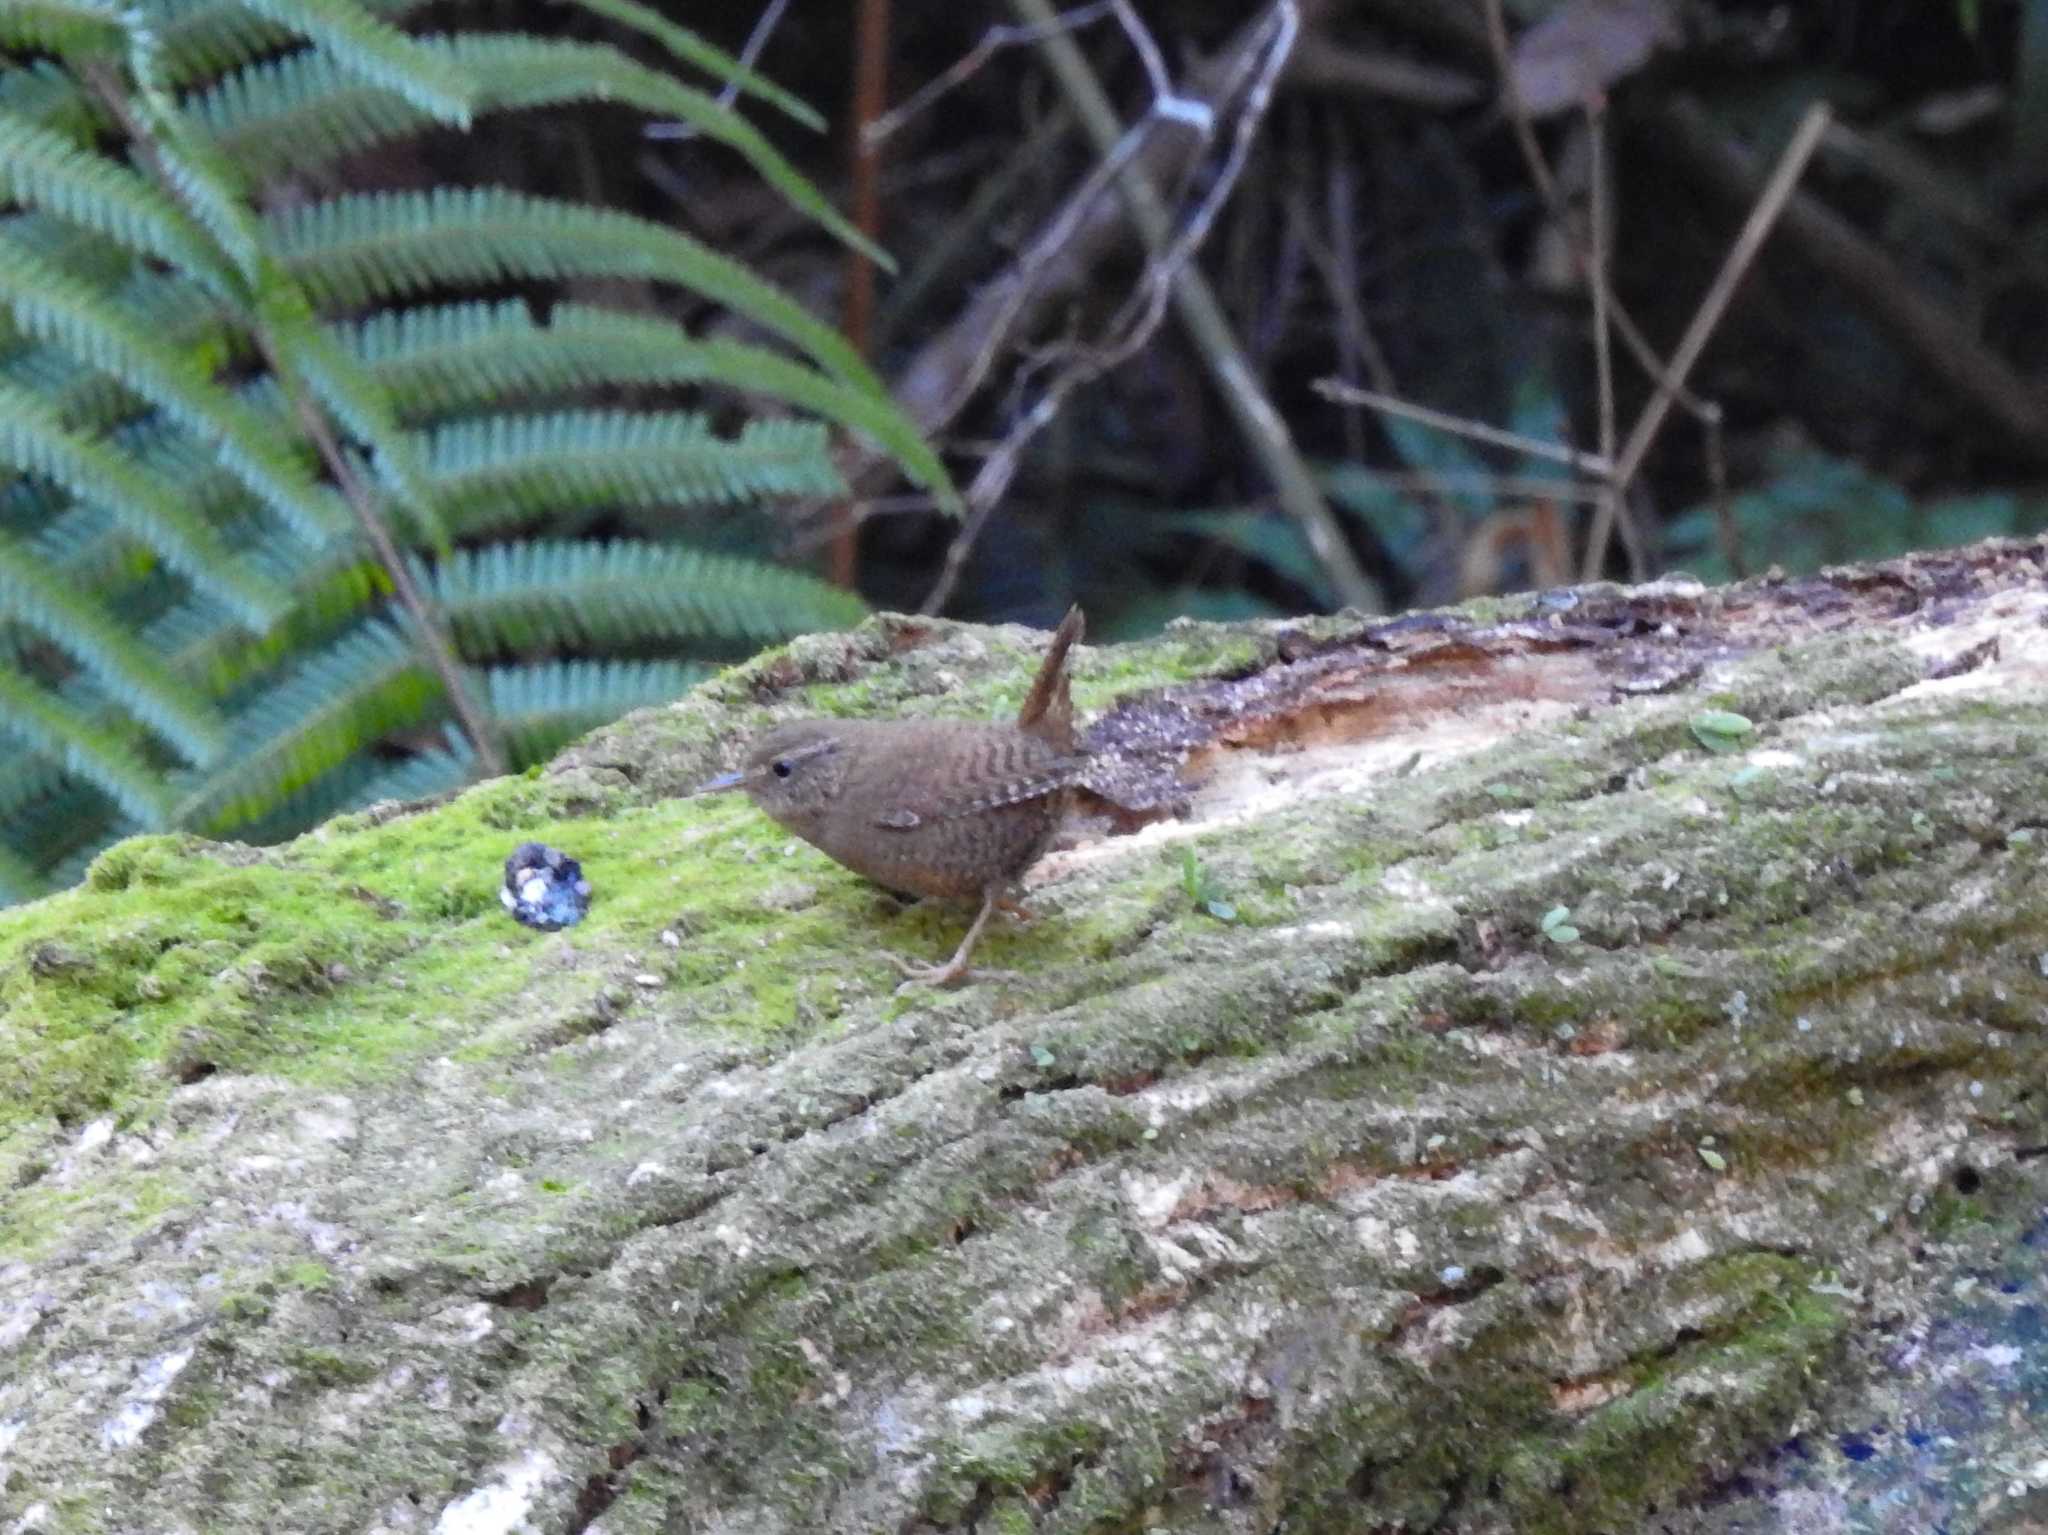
(1311, 1171)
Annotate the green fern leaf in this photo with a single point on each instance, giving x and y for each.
(195, 636)
(380, 52)
(42, 93)
(33, 593)
(202, 39)
(68, 28)
(422, 775)
(535, 595)
(368, 248)
(300, 345)
(205, 180)
(19, 879)
(442, 359)
(368, 778)
(48, 304)
(35, 782)
(646, 348)
(502, 470)
(40, 168)
(692, 49)
(539, 709)
(306, 108)
(333, 703)
(31, 438)
(44, 723)
(65, 817)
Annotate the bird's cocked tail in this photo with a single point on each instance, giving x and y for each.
(1048, 711)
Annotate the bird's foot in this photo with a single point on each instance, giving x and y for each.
(954, 968)
(951, 973)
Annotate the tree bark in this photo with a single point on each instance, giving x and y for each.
(1309, 1169)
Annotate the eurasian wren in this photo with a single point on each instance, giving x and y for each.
(950, 808)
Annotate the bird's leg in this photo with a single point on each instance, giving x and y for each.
(954, 968)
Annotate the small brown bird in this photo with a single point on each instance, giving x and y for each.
(950, 808)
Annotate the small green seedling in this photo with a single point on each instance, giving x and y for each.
(1557, 925)
(1202, 892)
(1720, 731)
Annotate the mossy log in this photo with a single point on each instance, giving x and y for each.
(1573, 1063)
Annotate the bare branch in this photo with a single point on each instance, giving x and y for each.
(1350, 394)
(1769, 204)
(993, 41)
(1171, 277)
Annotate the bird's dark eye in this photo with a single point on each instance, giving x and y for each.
(781, 768)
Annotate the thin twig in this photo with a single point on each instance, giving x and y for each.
(1615, 510)
(764, 27)
(1350, 394)
(1992, 393)
(1166, 101)
(1553, 199)
(1143, 310)
(1769, 204)
(993, 41)
(1478, 482)
(1170, 276)
(1724, 510)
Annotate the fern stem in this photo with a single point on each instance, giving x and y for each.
(427, 621)
(430, 632)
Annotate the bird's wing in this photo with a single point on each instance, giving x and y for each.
(970, 777)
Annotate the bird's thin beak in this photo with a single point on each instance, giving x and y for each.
(721, 783)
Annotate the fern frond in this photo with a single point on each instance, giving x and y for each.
(437, 359)
(373, 247)
(200, 39)
(19, 879)
(67, 28)
(84, 545)
(445, 358)
(380, 52)
(34, 779)
(648, 349)
(433, 771)
(64, 818)
(692, 49)
(366, 779)
(533, 595)
(33, 593)
(501, 470)
(31, 438)
(332, 704)
(51, 306)
(45, 723)
(539, 709)
(303, 349)
(198, 639)
(307, 108)
(78, 253)
(40, 168)
(42, 93)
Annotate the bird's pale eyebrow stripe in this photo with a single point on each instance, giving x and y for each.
(805, 753)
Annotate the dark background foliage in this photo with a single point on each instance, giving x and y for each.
(1841, 442)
